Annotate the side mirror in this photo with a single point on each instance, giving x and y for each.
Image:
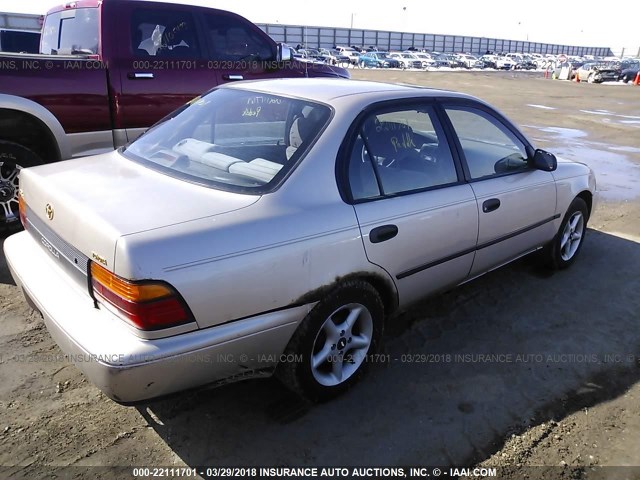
(285, 53)
(543, 160)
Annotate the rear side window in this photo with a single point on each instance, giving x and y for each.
(234, 40)
(21, 42)
(164, 33)
(71, 32)
(399, 151)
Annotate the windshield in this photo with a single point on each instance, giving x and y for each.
(70, 32)
(233, 140)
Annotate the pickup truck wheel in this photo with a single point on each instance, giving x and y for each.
(13, 158)
(332, 342)
(562, 251)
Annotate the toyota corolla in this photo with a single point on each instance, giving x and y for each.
(272, 226)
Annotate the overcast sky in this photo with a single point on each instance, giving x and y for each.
(598, 24)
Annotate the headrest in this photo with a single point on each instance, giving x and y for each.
(302, 127)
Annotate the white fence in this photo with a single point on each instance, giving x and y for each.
(328, 37)
(20, 21)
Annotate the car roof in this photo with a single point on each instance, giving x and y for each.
(328, 90)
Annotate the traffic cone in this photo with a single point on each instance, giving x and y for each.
(577, 79)
(637, 79)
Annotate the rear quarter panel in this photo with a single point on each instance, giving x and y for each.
(269, 256)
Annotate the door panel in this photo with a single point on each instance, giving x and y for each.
(417, 220)
(435, 240)
(526, 199)
(516, 203)
(162, 63)
(241, 51)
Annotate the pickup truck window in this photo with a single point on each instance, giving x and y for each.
(234, 140)
(17, 41)
(71, 32)
(232, 40)
(164, 33)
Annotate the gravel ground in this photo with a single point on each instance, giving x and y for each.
(518, 369)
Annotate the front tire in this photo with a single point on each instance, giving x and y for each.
(333, 342)
(566, 245)
(13, 158)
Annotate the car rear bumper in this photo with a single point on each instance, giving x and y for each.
(128, 368)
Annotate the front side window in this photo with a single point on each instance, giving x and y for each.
(71, 32)
(489, 147)
(400, 151)
(233, 40)
(234, 140)
(164, 33)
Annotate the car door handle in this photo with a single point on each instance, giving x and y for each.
(383, 233)
(140, 75)
(491, 205)
(233, 77)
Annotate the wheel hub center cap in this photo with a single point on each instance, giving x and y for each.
(342, 343)
(7, 192)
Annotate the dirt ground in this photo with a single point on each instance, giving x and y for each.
(536, 374)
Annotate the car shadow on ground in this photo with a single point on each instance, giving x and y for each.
(460, 372)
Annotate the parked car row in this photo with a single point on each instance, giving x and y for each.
(594, 70)
(599, 71)
(413, 59)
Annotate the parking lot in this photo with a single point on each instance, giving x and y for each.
(503, 355)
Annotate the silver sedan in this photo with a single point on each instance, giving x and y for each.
(271, 226)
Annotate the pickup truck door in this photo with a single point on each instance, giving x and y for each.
(239, 50)
(161, 63)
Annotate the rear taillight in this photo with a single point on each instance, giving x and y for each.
(22, 208)
(145, 305)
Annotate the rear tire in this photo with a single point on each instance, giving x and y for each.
(13, 158)
(333, 342)
(562, 251)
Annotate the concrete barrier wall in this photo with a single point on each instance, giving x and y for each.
(20, 21)
(328, 37)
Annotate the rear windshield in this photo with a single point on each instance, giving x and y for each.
(235, 140)
(71, 32)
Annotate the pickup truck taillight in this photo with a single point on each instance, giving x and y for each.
(145, 305)
(22, 209)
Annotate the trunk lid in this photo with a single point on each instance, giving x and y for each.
(82, 207)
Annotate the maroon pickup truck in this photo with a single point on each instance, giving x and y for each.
(109, 69)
